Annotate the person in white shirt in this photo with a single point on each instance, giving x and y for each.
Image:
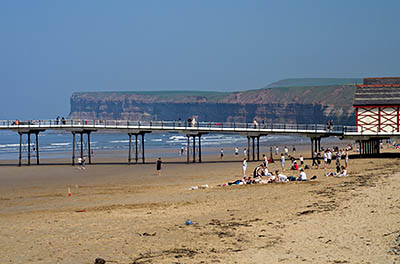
(343, 173)
(283, 161)
(244, 166)
(302, 176)
(286, 151)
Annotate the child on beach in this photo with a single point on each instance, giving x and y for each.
(244, 167)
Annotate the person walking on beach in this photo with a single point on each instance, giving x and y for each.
(245, 152)
(236, 151)
(286, 151)
(265, 160)
(346, 159)
(158, 166)
(222, 153)
(294, 150)
(244, 166)
(301, 160)
(276, 150)
(283, 162)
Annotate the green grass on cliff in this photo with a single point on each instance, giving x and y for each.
(313, 82)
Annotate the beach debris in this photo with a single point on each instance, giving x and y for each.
(188, 222)
(80, 211)
(204, 186)
(99, 261)
(147, 234)
(69, 192)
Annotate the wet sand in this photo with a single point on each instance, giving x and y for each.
(129, 214)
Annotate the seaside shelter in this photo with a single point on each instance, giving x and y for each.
(377, 103)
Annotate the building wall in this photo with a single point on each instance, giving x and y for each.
(371, 120)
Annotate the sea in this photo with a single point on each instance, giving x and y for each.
(59, 145)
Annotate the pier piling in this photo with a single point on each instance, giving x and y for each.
(37, 147)
(20, 149)
(73, 148)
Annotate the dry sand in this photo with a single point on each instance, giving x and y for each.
(128, 214)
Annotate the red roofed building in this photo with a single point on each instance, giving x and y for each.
(377, 103)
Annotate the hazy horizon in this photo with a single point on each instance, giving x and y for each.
(51, 49)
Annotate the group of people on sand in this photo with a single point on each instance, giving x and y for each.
(261, 174)
(328, 155)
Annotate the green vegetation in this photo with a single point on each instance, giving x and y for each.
(313, 82)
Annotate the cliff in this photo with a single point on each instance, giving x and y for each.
(295, 104)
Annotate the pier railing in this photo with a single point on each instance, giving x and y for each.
(174, 125)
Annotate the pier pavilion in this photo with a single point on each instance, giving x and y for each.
(377, 104)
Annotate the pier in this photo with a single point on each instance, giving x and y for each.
(368, 140)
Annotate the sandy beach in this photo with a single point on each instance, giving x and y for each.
(129, 214)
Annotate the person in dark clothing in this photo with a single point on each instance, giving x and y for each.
(158, 165)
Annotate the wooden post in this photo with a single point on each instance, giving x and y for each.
(130, 147)
(89, 154)
(143, 148)
(254, 156)
(29, 148)
(81, 145)
(73, 148)
(194, 149)
(199, 148)
(20, 149)
(312, 148)
(136, 148)
(188, 149)
(37, 147)
(258, 148)
(248, 148)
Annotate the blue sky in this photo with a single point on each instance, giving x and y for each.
(49, 49)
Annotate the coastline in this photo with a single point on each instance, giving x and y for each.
(141, 216)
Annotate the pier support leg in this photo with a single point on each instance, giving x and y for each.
(200, 148)
(89, 153)
(188, 149)
(254, 156)
(20, 149)
(143, 148)
(130, 148)
(194, 149)
(73, 148)
(81, 145)
(319, 145)
(37, 148)
(258, 148)
(312, 148)
(248, 148)
(136, 148)
(29, 148)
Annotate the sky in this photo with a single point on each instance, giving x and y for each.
(50, 49)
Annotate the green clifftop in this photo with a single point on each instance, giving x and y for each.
(295, 104)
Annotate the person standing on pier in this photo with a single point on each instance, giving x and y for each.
(158, 166)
